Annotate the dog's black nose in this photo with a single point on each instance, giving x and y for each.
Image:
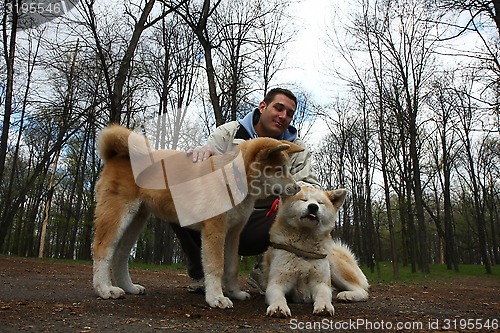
(313, 208)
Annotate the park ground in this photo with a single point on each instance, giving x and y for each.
(57, 296)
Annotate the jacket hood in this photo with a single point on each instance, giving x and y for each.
(252, 118)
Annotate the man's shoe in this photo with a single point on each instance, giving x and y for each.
(197, 286)
(256, 279)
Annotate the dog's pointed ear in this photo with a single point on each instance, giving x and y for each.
(273, 147)
(278, 148)
(268, 152)
(293, 148)
(337, 197)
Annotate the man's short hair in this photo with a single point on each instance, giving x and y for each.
(275, 91)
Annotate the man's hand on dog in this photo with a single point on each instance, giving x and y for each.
(201, 153)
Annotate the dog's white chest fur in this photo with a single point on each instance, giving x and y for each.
(301, 275)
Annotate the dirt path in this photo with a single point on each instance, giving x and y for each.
(38, 296)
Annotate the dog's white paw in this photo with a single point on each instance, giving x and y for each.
(110, 292)
(136, 289)
(220, 302)
(240, 295)
(278, 309)
(352, 296)
(324, 309)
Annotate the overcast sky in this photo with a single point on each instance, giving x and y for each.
(304, 65)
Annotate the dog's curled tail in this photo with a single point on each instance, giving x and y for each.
(113, 142)
(347, 258)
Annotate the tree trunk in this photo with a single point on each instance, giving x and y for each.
(121, 76)
(47, 206)
(417, 191)
(199, 27)
(212, 86)
(387, 197)
(9, 56)
(451, 257)
(479, 214)
(492, 207)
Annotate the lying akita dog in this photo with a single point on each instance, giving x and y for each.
(123, 206)
(303, 260)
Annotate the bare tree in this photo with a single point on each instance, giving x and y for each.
(232, 35)
(197, 18)
(369, 87)
(66, 110)
(411, 67)
(483, 20)
(115, 82)
(272, 34)
(306, 113)
(234, 22)
(9, 24)
(442, 101)
(469, 114)
(170, 61)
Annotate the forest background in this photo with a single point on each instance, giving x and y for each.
(410, 125)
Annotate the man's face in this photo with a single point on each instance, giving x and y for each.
(276, 116)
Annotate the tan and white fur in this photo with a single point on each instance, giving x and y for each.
(303, 260)
(123, 207)
(347, 278)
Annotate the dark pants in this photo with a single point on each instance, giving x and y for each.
(254, 240)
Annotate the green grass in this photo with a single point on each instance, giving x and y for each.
(438, 272)
(67, 261)
(155, 267)
(136, 265)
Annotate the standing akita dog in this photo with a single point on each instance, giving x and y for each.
(303, 260)
(123, 206)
